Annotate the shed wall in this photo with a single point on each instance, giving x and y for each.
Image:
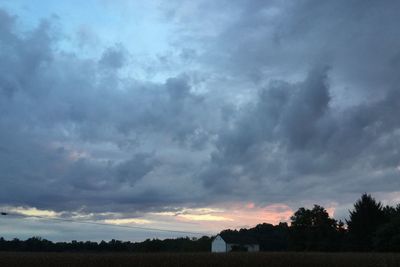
(218, 245)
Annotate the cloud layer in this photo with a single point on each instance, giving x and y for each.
(280, 102)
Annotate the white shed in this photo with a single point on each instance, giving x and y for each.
(228, 243)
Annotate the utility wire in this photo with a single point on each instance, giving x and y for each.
(103, 224)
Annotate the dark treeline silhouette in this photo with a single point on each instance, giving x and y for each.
(155, 245)
(370, 227)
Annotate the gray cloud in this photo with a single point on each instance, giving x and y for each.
(305, 134)
(75, 136)
(294, 137)
(289, 101)
(114, 57)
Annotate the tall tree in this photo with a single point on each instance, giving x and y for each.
(313, 230)
(365, 219)
(387, 236)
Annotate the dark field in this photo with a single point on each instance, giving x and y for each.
(201, 259)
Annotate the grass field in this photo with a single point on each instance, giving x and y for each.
(201, 259)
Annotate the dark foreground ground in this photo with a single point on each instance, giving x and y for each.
(201, 259)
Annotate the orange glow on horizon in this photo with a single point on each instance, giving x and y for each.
(210, 220)
(240, 215)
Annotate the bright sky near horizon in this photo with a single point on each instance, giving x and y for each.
(194, 115)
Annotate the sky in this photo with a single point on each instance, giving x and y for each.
(193, 116)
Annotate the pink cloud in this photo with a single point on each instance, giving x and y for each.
(238, 215)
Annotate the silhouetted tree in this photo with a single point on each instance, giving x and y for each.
(365, 219)
(391, 212)
(314, 230)
(387, 237)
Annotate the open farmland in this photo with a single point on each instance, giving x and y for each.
(201, 259)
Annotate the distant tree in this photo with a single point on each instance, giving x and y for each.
(365, 219)
(36, 244)
(314, 230)
(185, 244)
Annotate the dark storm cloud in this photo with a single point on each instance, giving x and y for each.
(292, 141)
(279, 38)
(284, 120)
(291, 101)
(58, 112)
(332, 129)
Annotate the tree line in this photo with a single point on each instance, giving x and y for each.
(370, 227)
(184, 244)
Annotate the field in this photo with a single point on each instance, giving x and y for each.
(201, 259)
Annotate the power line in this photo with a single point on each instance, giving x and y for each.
(103, 224)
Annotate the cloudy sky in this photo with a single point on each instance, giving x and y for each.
(194, 115)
